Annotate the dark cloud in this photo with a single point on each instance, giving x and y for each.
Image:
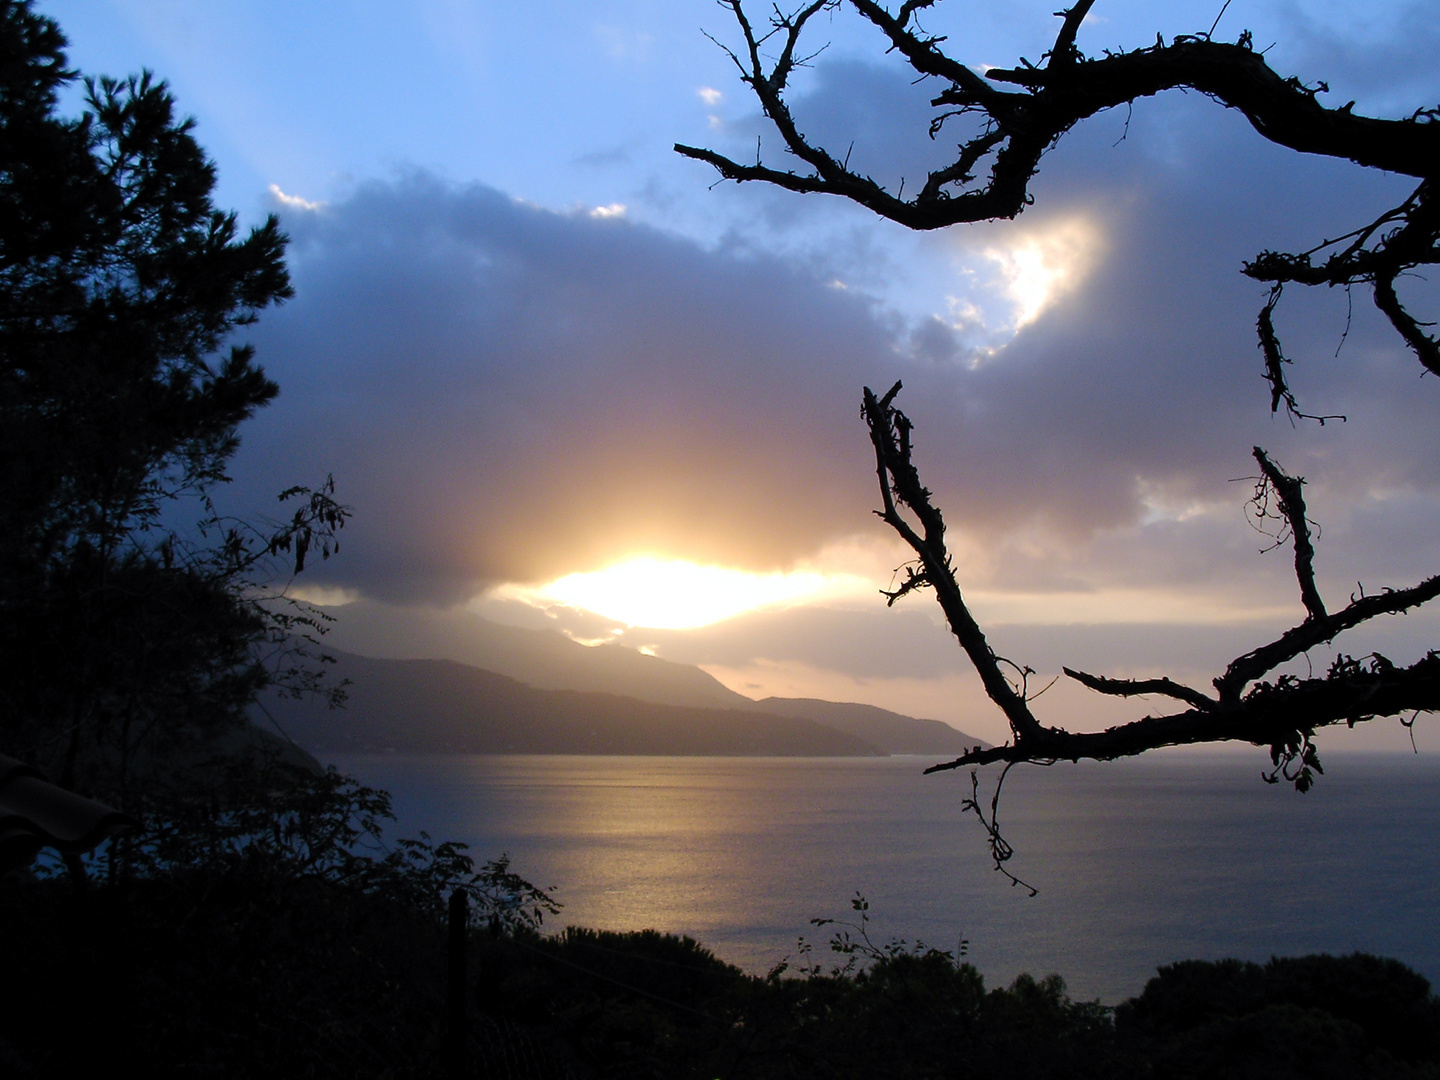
(510, 393)
(1148, 376)
(609, 158)
(1386, 61)
(506, 393)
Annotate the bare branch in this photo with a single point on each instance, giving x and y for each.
(1000, 850)
(1057, 97)
(914, 579)
(1282, 110)
(1064, 52)
(1274, 358)
(1021, 113)
(924, 55)
(1268, 715)
(909, 8)
(1290, 490)
(1136, 687)
(1415, 243)
(1274, 365)
(1312, 632)
(1018, 126)
(899, 481)
(1425, 346)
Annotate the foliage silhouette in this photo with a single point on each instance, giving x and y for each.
(249, 974)
(136, 620)
(249, 938)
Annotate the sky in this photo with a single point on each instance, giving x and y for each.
(568, 380)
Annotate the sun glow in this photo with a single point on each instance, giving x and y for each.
(1045, 264)
(670, 594)
(1010, 285)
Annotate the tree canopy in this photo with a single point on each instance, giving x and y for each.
(1007, 119)
(131, 621)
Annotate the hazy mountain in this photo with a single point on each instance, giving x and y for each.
(892, 732)
(544, 659)
(440, 705)
(548, 660)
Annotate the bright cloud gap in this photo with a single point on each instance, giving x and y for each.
(1008, 287)
(672, 594)
(293, 202)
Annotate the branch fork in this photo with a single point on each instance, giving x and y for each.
(1282, 714)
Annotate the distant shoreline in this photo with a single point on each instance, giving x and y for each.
(441, 706)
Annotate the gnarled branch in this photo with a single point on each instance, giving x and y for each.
(1018, 114)
(1424, 346)
(1053, 99)
(1312, 632)
(1376, 256)
(1275, 714)
(900, 487)
(1137, 687)
(1290, 491)
(1272, 714)
(1017, 126)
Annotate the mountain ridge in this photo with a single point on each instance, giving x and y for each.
(441, 705)
(446, 706)
(895, 732)
(545, 659)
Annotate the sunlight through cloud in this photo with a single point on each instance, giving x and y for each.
(1043, 265)
(1010, 285)
(324, 595)
(670, 594)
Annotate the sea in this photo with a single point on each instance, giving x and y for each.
(1136, 864)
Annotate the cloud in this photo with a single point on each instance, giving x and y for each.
(1384, 57)
(1089, 461)
(611, 157)
(1144, 377)
(292, 202)
(508, 393)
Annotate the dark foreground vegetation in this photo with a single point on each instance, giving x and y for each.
(233, 948)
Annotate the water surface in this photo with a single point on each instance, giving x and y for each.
(1138, 863)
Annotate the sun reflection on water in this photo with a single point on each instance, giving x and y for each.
(1139, 863)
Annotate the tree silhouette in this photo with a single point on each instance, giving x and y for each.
(132, 617)
(1012, 117)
